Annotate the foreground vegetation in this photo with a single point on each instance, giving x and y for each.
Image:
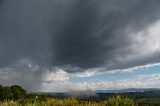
(112, 101)
(17, 96)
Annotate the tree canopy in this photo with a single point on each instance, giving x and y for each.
(13, 92)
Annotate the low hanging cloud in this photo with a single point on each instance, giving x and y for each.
(58, 75)
(140, 81)
(77, 37)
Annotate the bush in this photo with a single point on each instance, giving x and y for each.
(119, 101)
(14, 92)
(5, 93)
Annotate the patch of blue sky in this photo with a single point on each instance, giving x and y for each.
(118, 75)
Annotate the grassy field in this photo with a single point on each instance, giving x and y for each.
(111, 101)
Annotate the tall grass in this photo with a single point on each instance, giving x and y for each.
(119, 101)
(111, 101)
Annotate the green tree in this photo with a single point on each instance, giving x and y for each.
(17, 92)
(1, 92)
(5, 93)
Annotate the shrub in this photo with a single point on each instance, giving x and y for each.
(119, 101)
(5, 93)
(17, 92)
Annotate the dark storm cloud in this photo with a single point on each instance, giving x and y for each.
(74, 43)
(93, 32)
(81, 33)
(24, 73)
(23, 33)
(73, 34)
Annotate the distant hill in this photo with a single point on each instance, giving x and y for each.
(128, 90)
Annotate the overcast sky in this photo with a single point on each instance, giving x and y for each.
(53, 45)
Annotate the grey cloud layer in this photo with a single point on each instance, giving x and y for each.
(76, 34)
(94, 32)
